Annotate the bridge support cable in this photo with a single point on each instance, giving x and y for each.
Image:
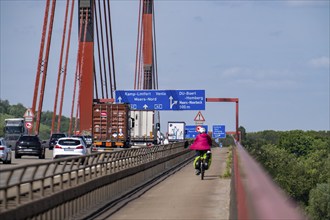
(103, 54)
(107, 18)
(99, 53)
(114, 84)
(107, 42)
(44, 72)
(95, 80)
(40, 60)
(65, 68)
(60, 72)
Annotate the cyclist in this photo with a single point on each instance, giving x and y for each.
(202, 145)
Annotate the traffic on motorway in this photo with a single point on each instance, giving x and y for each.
(30, 149)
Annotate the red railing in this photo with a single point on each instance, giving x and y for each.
(255, 195)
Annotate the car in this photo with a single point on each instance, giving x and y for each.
(87, 139)
(29, 145)
(53, 139)
(82, 138)
(5, 152)
(69, 146)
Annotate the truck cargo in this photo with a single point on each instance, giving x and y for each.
(146, 127)
(111, 126)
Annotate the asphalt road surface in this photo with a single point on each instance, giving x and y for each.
(27, 160)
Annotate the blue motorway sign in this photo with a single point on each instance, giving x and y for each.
(162, 99)
(219, 131)
(190, 130)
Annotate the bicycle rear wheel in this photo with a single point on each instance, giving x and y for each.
(202, 169)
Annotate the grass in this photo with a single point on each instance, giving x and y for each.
(229, 159)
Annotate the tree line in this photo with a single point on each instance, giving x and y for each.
(298, 162)
(17, 111)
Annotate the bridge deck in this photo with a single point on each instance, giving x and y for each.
(184, 195)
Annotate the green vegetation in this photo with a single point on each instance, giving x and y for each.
(229, 160)
(299, 163)
(17, 111)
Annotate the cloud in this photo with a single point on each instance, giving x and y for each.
(320, 62)
(198, 19)
(303, 3)
(261, 78)
(275, 33)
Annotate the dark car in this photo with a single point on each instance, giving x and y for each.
(81, 137)
(89, 140)
(54, 138)
(29, 145)
(86, 138)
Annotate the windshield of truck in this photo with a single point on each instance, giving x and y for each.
(14, 130)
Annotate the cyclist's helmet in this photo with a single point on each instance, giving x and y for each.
(202, 130)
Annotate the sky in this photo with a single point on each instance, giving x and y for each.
(272, 55)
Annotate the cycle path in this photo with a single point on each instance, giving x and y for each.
(184, 195)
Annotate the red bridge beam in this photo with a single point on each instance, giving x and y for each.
(222, 100)
(228, 100)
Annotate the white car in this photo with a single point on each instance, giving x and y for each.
(68, 147)
(5, 152)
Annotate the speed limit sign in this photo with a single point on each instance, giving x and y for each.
(198, 128)
(28, 125)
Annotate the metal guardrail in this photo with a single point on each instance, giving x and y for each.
(64, 180)
(254, 195)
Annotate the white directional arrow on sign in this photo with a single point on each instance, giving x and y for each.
(145, 106)
(119, 99)
(171, 102)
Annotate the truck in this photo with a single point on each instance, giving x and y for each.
(111, 126)
(146, 130)
(13, 129)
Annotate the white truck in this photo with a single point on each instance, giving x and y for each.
(146, 129)
(13, 129)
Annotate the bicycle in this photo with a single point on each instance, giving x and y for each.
(202, 167)
(204, 163)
